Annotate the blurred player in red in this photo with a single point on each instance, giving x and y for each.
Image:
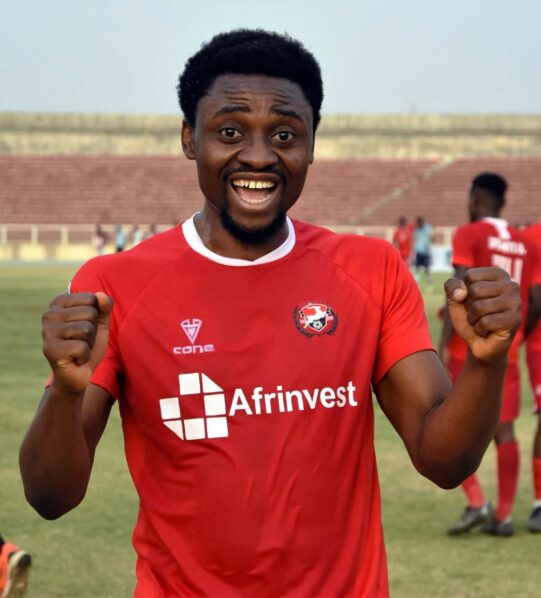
(403, 239)
(14, 568)
(533, 358)
(489, 241)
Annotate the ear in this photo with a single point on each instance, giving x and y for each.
(188, 143)
(312, 148)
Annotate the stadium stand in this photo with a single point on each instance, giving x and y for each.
(164, 189)
(60, 175)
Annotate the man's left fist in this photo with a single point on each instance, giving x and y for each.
(485, 310)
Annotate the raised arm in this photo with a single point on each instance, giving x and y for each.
(57, 453)
(447, 429)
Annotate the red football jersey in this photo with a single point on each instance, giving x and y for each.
(492, 242)
(403, 239)
(534, 234)
(245, 395)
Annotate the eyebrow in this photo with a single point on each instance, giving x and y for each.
(287, 112)
(232, 108)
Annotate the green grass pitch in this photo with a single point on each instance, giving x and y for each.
(88, 552)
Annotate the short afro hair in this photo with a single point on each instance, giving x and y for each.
(250, 52)
(494, 184)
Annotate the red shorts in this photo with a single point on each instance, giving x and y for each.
(533, 357)
(511, 388)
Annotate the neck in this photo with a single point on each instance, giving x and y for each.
(220, 241)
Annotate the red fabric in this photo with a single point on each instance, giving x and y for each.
(508, 469)
(492, 242)
(287, 503)
(536, 471)
(533, 341)
(474, 492)
(403, 240)
(533, 358)
(511, 388)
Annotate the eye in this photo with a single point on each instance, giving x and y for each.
(230, 133)
(284, 136)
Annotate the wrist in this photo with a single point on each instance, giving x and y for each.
(496, 361)
(58, 390)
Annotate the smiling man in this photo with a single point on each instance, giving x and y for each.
(242, 349)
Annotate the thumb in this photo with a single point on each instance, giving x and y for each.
(105, 305)
(455, 290)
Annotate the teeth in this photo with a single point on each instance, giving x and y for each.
(253, 184)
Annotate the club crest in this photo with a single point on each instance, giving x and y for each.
(315, 319)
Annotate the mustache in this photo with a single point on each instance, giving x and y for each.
(248, 170)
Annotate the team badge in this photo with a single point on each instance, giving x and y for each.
(315, 319)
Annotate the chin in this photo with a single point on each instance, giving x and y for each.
(253, 235)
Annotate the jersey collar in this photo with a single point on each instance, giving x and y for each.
(501, 225)
(194, 241)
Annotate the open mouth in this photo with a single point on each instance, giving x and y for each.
(254, 192)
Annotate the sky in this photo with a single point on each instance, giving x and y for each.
(377, 56)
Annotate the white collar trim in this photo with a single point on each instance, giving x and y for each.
(194, 241)
(501, 225)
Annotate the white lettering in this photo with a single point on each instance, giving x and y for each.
(239, 403)
(298, 395)
(256, 398)
(192, 349)
(505, 246)
(280, 397)
(351, 394)
(327, 397)
(311, 398)
(268, 399)
(341, 394)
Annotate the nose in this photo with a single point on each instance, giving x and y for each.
(258, 153)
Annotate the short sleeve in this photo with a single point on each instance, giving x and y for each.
(462, 249)
(404, 327)
(109, 370)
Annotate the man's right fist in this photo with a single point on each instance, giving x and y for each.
(75, 334)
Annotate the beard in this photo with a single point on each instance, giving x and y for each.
(249, 236)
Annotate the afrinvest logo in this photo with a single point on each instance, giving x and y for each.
(256, 402)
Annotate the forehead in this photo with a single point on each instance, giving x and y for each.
(255, 91)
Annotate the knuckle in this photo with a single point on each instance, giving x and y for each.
(60, 300)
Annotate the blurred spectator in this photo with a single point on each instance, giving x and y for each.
(99, 239)
(120, 239)
(136, 235)
(403, 239)
(422, 244)
(152, 230)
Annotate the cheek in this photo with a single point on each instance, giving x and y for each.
(298, 169)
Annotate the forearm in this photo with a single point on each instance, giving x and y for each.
(458, 429)
(55, 459)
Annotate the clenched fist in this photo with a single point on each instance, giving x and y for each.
(75, 334)
(485, 310)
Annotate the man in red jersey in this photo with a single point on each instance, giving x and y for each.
(403, 239)
(489, 241)
(533, 358)
(242, 349)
